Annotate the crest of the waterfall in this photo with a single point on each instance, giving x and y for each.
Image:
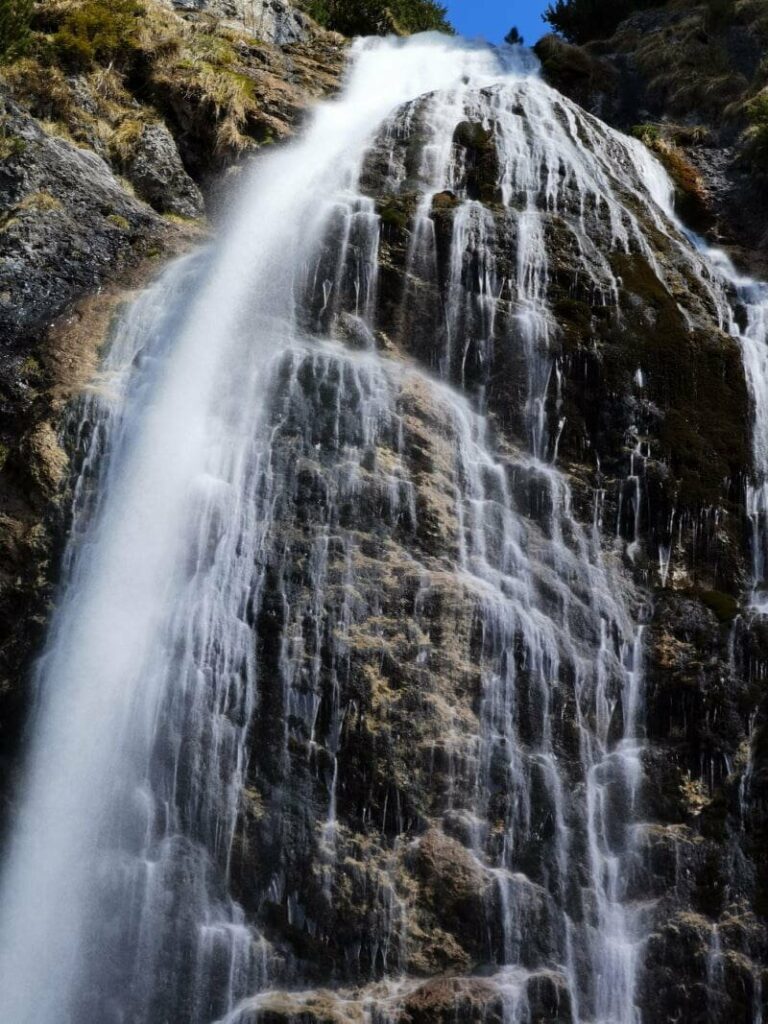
(238, 377)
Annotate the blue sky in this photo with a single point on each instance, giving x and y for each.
(494, 18)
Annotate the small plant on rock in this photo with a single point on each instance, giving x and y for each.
(757, 132)
(98, 32)
(15, 19)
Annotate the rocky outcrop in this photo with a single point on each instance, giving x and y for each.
(68, 224)
(273, 21)
(688, 79)
(154, 168)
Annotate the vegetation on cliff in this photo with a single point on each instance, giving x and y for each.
(690, 79)
(15, 16)
(99, 74)
(379, 17)
(582, 20)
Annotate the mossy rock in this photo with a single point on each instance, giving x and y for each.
(445, 201)
(481, 161)
(725, 606)
(396, 211)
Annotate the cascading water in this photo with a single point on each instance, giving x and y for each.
(745, 314)
(275, 448)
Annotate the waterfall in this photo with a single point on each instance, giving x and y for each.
(279, 505)
(745, 315)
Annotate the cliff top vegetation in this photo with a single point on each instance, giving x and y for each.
(379, 17)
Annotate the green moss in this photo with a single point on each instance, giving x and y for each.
(757, 132)
(120, 222)
(646, 133)
(98, 31)
(393, 214)
(31, 367)
(179, 218)
(725, 606)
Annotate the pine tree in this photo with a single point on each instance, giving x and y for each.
(513, 37)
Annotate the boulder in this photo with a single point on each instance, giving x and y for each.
(155, 170)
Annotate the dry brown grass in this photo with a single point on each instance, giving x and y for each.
(200, 61)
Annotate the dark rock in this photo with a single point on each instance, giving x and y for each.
(67, 224)
(445, 1001)
(155, 170)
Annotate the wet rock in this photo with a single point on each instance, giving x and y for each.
(549, 1000)
(480, 160)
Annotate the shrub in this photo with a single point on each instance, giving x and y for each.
(420, 16)
(719, 14)
(378, 17)
(15, 18)
(648, 134)
(10, 145)
(580, 21)
(757, 133)
(98, 31)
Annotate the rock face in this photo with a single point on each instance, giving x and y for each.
(495, 449)
(155, 170)
(273, 21)
(639, 368)
(67, 226)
